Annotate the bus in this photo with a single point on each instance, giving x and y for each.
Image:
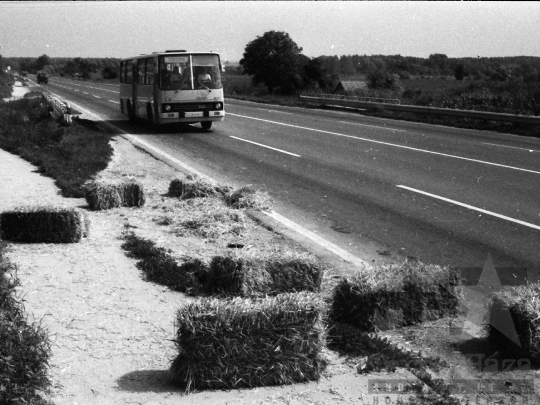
(174, 86)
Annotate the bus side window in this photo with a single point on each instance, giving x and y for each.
(141, 71)
(129, 72)
(150, 71)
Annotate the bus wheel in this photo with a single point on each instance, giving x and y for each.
(131, 113)
(206, 124)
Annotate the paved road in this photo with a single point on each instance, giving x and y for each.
(381, 189)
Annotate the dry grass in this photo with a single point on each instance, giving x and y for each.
(45, 224)
(106, 194)
(229, 344)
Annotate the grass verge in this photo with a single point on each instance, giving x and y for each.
(71, 155)
(24, 346)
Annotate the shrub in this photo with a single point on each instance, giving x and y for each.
(103, 194)
(249, 343)
(513, 324)
(45, 224)
(24, 346)
(388, 297)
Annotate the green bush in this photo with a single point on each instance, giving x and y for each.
(24, 346)
(249, 343)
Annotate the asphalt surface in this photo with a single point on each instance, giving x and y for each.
(381, 189)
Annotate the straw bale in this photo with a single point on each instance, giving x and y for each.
(104, 194)
(513, 317)
(388, 297)
(194, 186)
(249, 342)
(46, 224)
(247, 197)
(257, 277)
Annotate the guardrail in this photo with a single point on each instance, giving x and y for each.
(486, 115)
(59, 108)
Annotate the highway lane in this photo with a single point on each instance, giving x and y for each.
(368, 184)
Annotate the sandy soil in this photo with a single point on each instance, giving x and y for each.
(112, 331)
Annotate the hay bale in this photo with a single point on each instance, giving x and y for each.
(249, 343)
(44, 225)
(513, 322)
(107, 194)
(265, 276)
(195, 187)
(389, 297)
(247, 197)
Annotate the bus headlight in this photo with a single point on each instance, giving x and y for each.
(167, 107)
(218, 106)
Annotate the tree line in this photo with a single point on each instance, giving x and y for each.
(107, 68)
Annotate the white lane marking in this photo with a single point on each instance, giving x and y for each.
(388, 144)
(512, 147)
(317, 239)
(281, 112)
(93, 95)
(112, 101)
(84, 92)
(373, 126)
(266, 146)
(471, 207)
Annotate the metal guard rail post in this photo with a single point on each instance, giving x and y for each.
(60, 108)
(322, 100)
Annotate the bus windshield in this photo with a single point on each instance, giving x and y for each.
(189, 72)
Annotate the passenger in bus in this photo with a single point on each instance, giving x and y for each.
(165, 79)
(176, 78)
(204, 79)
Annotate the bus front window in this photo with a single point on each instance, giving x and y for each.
(177, 73)
(174, 72)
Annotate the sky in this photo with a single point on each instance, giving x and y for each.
(124, 29)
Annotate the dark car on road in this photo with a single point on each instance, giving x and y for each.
(42, 76)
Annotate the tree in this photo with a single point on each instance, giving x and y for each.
(275, 60)
(460, 71)
(41, 62)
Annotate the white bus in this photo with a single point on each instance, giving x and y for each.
(172, 87)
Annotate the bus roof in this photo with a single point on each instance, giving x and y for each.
(181, 52)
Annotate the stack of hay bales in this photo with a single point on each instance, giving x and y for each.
(107, 194)
(46, 224)
(514, 322)
(249, 342)
(390, 297)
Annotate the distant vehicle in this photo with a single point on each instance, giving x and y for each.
(173, 87)
(42, 76)
(24, 73)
